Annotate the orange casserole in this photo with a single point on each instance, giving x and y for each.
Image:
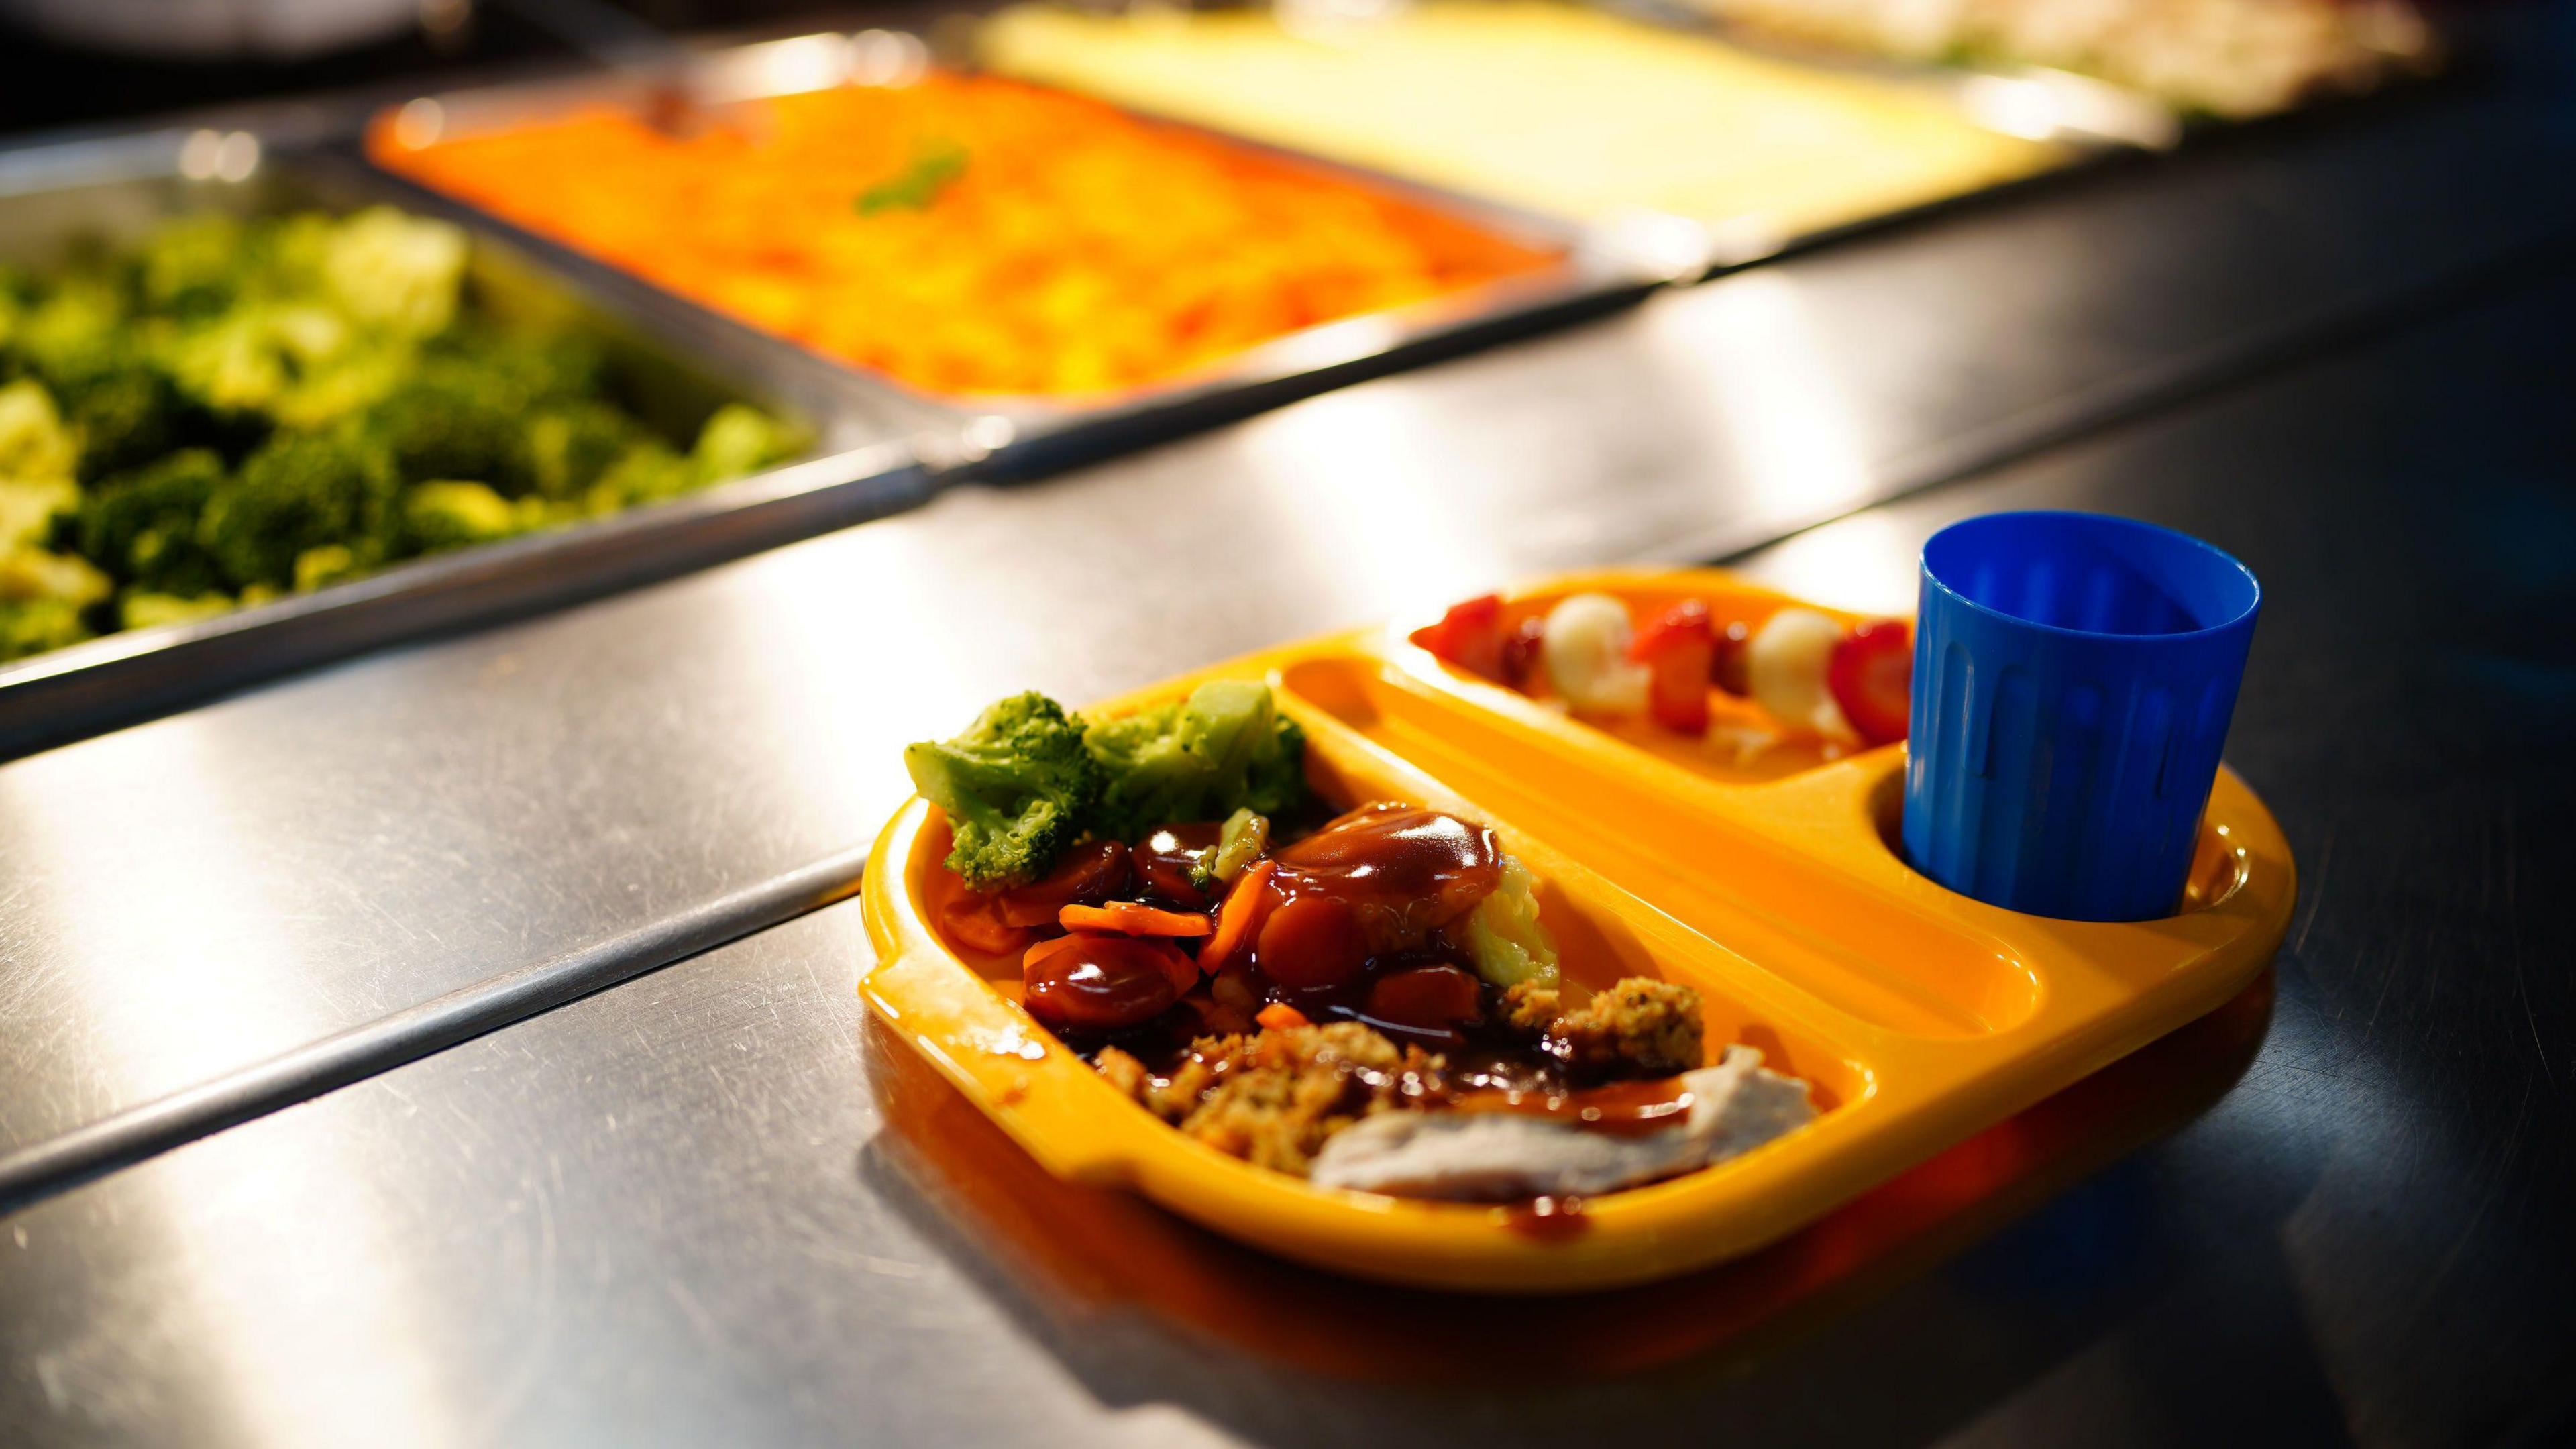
(966, 234)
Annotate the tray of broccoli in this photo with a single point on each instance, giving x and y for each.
(254, 421)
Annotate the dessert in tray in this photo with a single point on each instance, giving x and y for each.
(1408, 966)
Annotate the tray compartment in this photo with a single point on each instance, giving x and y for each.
(1728, 755)
(1872, 958)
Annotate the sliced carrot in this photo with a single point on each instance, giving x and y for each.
(1043, 949)
(969, 917)
(1132, 918)
(1280, 1016)
(1238, 921)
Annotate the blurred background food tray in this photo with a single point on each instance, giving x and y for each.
(1319, 272)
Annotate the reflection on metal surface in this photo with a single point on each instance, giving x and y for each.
(1867, 563)
(1798, 440)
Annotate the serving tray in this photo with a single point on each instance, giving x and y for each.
(1773, 885)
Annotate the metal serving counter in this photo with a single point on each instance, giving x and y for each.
(700, 1207)
(712, 1206)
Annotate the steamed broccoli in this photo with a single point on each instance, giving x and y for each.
(124, 416)
(194, 266)
(141, 526)
(73, 335)
(569, 445)
(398, 272)
(38, 625)
(35, 445)
(451, 420)
(29, 508)
(145, 611)
(1224, 748)
(447, 513)
(737, 440)
(1017, 786)
(300, 491)
(646, 473)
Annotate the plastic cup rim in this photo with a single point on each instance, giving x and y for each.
(2253, 605)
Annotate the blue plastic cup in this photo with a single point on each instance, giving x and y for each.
(2073, 678)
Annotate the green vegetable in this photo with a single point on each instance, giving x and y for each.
(935, 167)
(1018, 788)
(570, 444)
(232, 408)
(145, 611)
(398, 272)
(28, 508)
(33, 575)
(141, 526)
(1505, 937)
(35, 446)
(736, 440)
(38, 625)
(1225, 748)
(1245, 837)
(299, 491)
(449, 514)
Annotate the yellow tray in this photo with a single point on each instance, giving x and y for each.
(1770, 884)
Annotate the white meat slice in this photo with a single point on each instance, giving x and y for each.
(1736, 1106)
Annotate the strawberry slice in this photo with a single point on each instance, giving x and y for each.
(1470, 636)
(1678, 647)
(1871, 672)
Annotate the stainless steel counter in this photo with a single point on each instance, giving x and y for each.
(192, 897)
(711, 1206)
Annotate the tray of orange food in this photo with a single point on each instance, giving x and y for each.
(1035, 260)
(1561, 942)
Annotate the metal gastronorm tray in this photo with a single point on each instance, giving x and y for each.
(1601, 268)
(1919, 1016)
(868, 457)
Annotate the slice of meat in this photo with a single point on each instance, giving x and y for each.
(1736, 1106)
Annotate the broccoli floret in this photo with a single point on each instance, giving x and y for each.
(29, 508)
(32, 575)
(647, 473)
(1016, 785)
(144, 611)
(141, 526)
(254, 357)
(451, 421)
(126, 416)
(73, 335)
(394, 271)
(570, 445)
(1505, 937)
(194, 266)
(38, 625)
(35, 444)
(448, 513)
(300, 491)
(316, 568)
(528, 367)
(1223, 749)
(739, 439)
